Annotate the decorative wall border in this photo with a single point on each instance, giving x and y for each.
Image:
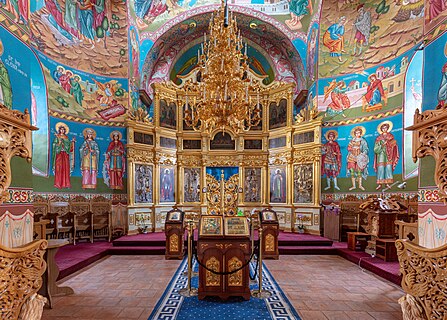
(363, 119)
(83, 120)
(18, 195)
(363, 196)
(88, 196)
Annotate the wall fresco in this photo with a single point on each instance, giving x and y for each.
(371, 94)
(312, 54)
(84, 158)
(15, 72)
(87, 35)
(364, 157)
(15, 18)
(435, 13)
(435, 69)
(84, 97)
(356, 36)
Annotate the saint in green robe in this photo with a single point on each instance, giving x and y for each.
(76, 91)
(5, 86)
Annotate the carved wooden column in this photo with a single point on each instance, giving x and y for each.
(15, 140)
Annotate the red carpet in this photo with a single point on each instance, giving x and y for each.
(73, 258)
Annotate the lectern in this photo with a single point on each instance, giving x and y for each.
(270, 232)
(174, 232)
(224, 247)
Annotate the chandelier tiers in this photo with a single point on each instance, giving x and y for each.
(224, 94)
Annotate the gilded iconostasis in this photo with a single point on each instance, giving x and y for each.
(80, 68)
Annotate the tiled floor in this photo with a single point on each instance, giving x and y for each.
(319, 287)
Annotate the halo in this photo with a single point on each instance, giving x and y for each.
(326, 135)
(388, 122)
(120, 135)
(358, 127)
(372, 74)
(61, 124)
(84, 132)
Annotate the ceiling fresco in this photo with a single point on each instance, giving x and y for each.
(292, 17)
(283, 55)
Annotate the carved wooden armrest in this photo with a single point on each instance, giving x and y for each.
(424, 279)
(21, 271)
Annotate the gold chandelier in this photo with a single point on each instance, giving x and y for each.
(225, 93)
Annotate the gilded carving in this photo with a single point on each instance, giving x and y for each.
(307, 155)
(21, 271)
(269, 243)
(222, 161)
(173, 243)
(429, 139)
(212, 279)
(280, 158)
(139, 155)
(165, 158)
(424, 279)
(234, 279)
(190, 160)
(255, 160)
(15, 140)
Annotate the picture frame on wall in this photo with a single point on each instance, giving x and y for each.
(191, 185)
(167, 184)
(304, 218)
(303, 183)
(211, 226)
(278, 183)
(252, 185)
(143, 183)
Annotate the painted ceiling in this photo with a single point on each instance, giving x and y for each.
(292, 17)
(265, 38)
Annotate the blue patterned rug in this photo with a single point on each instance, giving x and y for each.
(174, 306)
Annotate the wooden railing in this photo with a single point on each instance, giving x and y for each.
(424, 280)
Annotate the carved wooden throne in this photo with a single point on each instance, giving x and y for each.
(424, 279)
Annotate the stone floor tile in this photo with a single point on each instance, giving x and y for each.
(312, 315)
(319, 287)
(336, 315)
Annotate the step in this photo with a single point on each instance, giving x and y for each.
(137, 250)
(307, 250)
